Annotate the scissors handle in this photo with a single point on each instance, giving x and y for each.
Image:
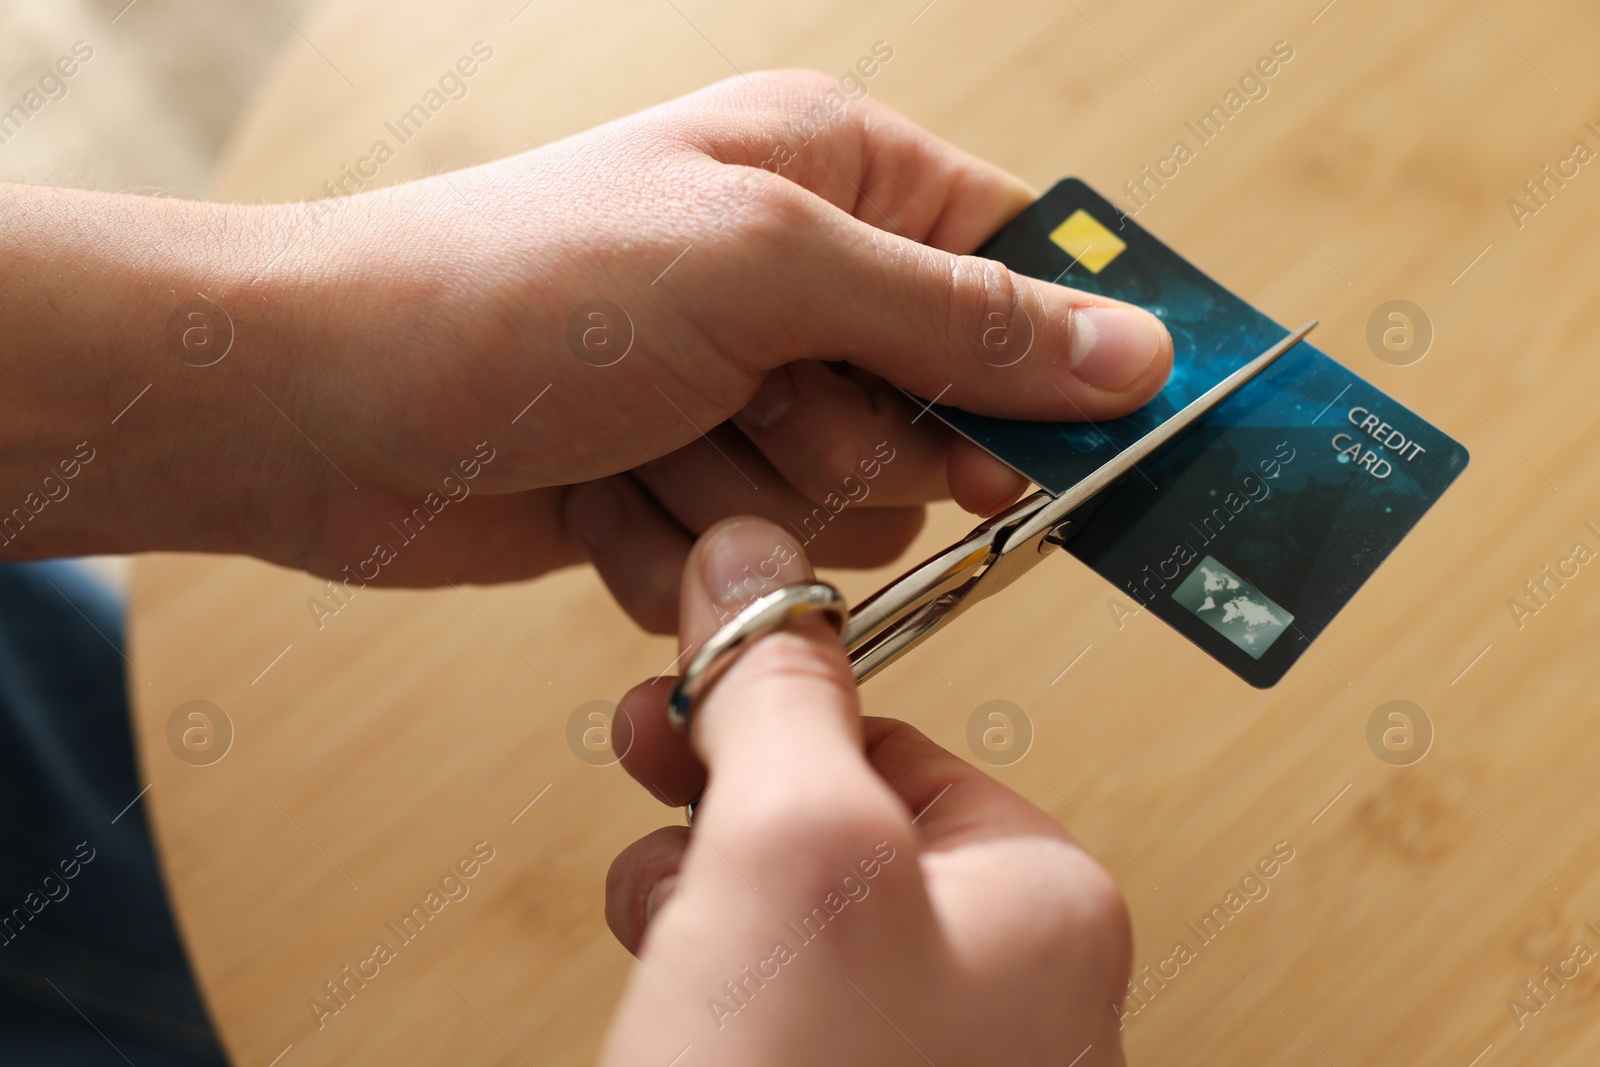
(905, 612)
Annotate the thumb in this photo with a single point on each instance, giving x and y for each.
(887, 293)
(791, 796)
(780, 731)
(964, 329)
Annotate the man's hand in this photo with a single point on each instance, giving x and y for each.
(850, 893)
(593, 350)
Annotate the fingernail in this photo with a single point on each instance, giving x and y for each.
(594, 511)
(659, 894)
(747, 560)
(1112, 346)
(772, 401)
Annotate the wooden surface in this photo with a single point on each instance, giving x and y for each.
(374, 753)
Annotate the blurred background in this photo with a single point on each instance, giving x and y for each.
(171, 77)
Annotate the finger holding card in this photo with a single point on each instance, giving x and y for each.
(836, 431)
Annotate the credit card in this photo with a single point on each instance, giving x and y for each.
(1250, 532)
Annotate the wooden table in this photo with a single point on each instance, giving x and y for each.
(372, 754)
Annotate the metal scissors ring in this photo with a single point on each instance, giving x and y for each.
(923, 600)
(757, 619)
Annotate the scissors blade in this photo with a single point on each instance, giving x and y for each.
(898, 617)
(941, 573)
(1015, 556)
(1162, 435)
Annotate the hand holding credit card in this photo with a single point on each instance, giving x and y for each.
(1251, 531)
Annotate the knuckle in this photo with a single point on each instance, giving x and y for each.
(1102, 905)
(1094, 919)
(781, 112)
(829, 467)
(759, 219)
(785, 90)
(1061, 917)
(759, 223)
(803, 82)
(984, 301)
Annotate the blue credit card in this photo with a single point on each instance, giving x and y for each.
(1250, 532)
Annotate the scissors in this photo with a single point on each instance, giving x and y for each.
(926, 598)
